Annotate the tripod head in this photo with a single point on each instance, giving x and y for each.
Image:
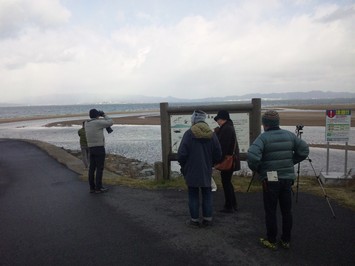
(299, 130)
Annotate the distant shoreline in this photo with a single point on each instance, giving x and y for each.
(312, 115)
(308, 115)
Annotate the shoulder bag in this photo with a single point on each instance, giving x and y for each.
(230, 162)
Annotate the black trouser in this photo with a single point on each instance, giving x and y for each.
(274, 192)
(228, 188)
(97, 163)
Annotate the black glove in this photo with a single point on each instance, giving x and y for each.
(101, 113)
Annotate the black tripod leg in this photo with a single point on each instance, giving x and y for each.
(299, 134)
(298, 181)
(321, 185)
(326, 196)
(251, 181)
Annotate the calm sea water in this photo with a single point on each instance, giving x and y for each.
(144, 142)
(50, 110)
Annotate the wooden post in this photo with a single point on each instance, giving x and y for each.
(158, 170)
(165, 138)
(255, 121)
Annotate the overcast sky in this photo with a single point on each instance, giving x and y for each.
(181, 48)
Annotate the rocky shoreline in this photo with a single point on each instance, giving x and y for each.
(125, 167)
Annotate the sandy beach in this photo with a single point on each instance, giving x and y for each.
(287, 118)
(307, 115)
(310, 115)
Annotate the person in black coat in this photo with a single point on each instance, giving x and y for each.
(229, 144)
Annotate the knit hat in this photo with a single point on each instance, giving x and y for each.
(198, 116)
(271, 118)
(94, 113)
(222, 114)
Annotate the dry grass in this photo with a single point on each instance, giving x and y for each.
(343, 194)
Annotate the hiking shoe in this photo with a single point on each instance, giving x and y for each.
(284, 244)
(206, 223)
(267, 244)
(192, 224)
(101, 190)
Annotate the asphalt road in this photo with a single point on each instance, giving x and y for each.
(47, 217)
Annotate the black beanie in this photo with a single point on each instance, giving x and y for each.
(94, 113)
(222, 114)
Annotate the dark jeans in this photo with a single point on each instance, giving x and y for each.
(97, 163)
(274, 192)
(194, 203)
(228, 188)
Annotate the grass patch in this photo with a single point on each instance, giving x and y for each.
(343, 194)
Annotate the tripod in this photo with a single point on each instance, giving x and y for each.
(299, 132)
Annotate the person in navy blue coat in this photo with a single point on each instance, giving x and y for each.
(199, 150)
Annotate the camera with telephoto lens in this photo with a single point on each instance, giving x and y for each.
(108, 129)
(299, 127)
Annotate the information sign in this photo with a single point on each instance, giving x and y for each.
(181, 123)
(338, 123)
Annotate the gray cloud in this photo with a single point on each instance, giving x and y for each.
(339, 14)
(236, 51)
(17, 16)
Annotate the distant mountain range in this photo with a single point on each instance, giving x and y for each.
(112, 99)
(278, 96)
(264, 96)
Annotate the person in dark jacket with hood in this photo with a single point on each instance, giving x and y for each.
(199, 150)
(229, 144)
(84, 146)
(272, 156)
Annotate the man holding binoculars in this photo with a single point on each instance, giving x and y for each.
(96, 143)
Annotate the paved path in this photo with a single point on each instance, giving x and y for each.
(47, 217)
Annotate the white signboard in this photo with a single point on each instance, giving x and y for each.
(181, 123)
(338, 123)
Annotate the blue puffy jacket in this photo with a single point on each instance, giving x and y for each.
(277, 150)
(199, 150)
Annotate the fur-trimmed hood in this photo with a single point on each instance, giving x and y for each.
(201, 131)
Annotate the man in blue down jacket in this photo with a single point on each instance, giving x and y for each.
(199, 150)
(273, 156)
